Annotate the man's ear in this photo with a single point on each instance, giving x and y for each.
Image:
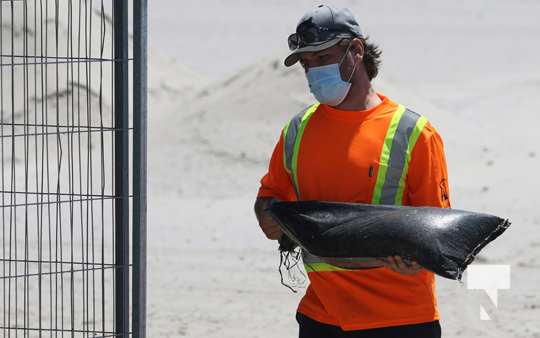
(358, 47)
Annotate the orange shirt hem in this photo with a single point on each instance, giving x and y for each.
(372, 325)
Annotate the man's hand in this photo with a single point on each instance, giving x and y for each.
(397, 264)
(266, 222)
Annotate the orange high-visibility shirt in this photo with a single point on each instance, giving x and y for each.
(338, 161)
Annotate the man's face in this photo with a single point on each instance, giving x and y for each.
(336, 54)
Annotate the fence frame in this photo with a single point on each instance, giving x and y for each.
(140, 111)
(121, 164)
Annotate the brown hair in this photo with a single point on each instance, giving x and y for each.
(372, 58)
(372, 55)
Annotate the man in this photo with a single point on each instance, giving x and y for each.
(355, 145)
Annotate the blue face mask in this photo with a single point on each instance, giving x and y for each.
(326, 84)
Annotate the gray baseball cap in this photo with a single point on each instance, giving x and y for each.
(321, 28)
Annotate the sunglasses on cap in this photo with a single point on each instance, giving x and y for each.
(310, 34)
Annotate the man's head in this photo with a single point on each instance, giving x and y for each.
(325, 34)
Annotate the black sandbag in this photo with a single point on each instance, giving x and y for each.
(444, 241)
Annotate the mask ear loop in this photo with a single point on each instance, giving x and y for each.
(352, 73)
(343, 59)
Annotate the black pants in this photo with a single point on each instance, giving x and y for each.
(310, 328)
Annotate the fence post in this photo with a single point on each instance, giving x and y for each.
(140, 105)
(121, 159)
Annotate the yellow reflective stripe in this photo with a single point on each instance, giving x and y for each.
(300, 133)
(385, 154)
(319, 267)
(285, 130)
(410, 146)
(313, 263)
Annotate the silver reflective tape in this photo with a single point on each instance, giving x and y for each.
(398, 156)
(309, 258)
(290, 138)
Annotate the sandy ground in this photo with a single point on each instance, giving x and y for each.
(219, 97)
(470, 66)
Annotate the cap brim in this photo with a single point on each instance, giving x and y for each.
(294, 56)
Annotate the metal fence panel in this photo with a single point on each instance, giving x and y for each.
(73, 161)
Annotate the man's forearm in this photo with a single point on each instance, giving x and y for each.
(268, 225)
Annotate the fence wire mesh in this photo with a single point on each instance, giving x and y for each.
(61, 144)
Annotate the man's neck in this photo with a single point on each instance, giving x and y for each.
(360, 99)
